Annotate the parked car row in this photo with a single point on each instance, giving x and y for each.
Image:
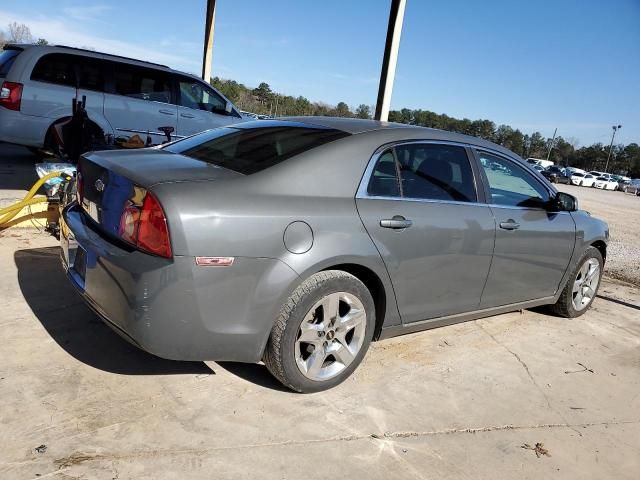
(594, 178)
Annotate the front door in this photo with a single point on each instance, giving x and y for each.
(533, 244)
(435, 238)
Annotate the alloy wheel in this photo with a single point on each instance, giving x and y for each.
(586, 284)
(330, 336)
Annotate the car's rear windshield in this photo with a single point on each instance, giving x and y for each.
(251, 150)
(6, 60)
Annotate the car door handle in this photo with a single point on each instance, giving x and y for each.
(167, 112)
(398, 222)
(509, 225)
(187, 115)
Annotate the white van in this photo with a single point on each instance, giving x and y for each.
(124, 96)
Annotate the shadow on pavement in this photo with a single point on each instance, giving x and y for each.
(76, 328)
(17, 170)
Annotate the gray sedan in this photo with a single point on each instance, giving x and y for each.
(297, 242)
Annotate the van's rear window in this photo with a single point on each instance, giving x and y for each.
(250, 150)
(6, 60)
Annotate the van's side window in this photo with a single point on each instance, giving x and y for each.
(141, 83)
(90, 74)
(55, 68)
(194, 94)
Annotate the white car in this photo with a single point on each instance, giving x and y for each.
(605, 183)
(583, 179)
(124, 96)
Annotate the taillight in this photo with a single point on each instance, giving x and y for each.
(146, 227)
(11, 95)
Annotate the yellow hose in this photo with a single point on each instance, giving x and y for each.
(8, 213)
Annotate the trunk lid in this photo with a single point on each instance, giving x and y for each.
(112, 179)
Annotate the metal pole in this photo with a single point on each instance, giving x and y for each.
(615, 129)
(207, 55)
(551, 144)
(392, 44)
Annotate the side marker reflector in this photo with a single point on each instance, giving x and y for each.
(214, 261)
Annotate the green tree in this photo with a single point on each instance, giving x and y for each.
(363, 111)
(263, 93)
(342, 110)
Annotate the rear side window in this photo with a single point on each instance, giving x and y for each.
(7, 58)
(141, 83)
(251, 150)
(427, 171)
(55, 68)
(90, 73)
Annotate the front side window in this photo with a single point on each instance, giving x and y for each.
(511, 185)
(55, 68)
(141, 83)
(427, 171)
(198, 96)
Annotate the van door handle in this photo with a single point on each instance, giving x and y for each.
(187, 115)
(509, 225)
(398, 222)
(166, 112)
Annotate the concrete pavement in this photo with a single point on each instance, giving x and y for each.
(456, 402)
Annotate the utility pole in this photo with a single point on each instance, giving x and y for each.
(551, 144)
(615, 129)
(207, 54)
(392, 44)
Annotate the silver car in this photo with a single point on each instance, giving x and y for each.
(632, 186)
(298, 242)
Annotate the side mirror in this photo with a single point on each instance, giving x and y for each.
(564, 202)
(228, 107)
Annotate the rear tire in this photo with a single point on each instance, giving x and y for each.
(310, 351)
(582, 286)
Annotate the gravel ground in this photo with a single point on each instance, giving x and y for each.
(622, 212)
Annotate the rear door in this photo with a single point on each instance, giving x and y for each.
(139, 100)
(533, 244)
(200, 107)
(434, 236)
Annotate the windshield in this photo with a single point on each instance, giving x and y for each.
(6, 60)
(251, 150)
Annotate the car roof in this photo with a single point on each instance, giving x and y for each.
(356, 126)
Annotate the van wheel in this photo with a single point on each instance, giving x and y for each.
(322, 332)
(582, 287)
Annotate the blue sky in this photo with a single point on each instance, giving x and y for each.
(536, 65)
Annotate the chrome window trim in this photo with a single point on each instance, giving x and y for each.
(364, 182)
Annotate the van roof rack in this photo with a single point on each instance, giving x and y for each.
(111, 55)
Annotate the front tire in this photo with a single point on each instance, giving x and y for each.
(582, 287)
(322, 332)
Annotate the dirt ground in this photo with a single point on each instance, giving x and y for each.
(524, 395)
(622, 212)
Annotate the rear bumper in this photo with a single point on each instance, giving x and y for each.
(21, 129)
(173, 308)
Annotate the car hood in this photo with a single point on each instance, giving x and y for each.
(149, 166)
